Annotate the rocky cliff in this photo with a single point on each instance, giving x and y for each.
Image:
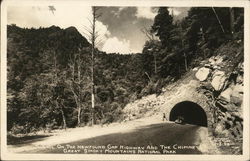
(222, 82)
(216, 85)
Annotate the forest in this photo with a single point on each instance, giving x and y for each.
(49, 75)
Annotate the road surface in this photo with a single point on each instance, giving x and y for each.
(161, 138)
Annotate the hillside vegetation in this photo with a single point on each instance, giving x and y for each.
(49, 75)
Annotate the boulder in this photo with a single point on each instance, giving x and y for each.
(211, 60)
(231, 107)
(195, 69)
(237, 113)
(216, 60)
(237, 94)
(238, 88)
(239, 79)
(219, 80)
(219, 60)
(233, 94)
(203, 62)
(241, 66)
(164, 89)
(218, 73)
(219, 128)
(228, 115)
(203, 73)
(226, 133)
(208, 65)
(236, 100)
(238, 124)
(236, 132)
(226, 95)
(230, 123)
(216, 67)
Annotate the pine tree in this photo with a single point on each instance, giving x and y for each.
(163, 24)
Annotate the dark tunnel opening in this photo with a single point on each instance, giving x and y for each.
(191, 113)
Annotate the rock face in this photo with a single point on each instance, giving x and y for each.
(225, 84)
(203, 73)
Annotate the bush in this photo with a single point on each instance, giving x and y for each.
(18, 129)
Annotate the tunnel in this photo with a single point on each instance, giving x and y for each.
(191, 113)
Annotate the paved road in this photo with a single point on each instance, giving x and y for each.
(163, 138)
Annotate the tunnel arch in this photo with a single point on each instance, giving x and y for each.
(190, 111)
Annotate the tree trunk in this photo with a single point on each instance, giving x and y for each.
(79, 92)
(155, 64)
(148, 76)
(64, 119)
(231, 10)
(179, 69)
(218, 19)
(185, 56)
(63, 115)
(185, 59)
(79, 116)
(93, 34)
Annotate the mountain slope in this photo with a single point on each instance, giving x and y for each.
(47, 63)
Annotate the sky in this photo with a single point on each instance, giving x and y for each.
(119, 27)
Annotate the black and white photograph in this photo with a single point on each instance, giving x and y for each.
(124, 81)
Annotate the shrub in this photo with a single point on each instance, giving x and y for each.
(17, 129)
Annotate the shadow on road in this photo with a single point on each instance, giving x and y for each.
(19, 141)
(167, 134)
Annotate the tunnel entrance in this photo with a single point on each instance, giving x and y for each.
(191, 112)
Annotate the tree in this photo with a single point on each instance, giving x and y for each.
(171, 38)
(152, 45)
(79, 81)
(152, 48)
(209, 28)
(163, 24)
(93, 35)
(57, 88)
